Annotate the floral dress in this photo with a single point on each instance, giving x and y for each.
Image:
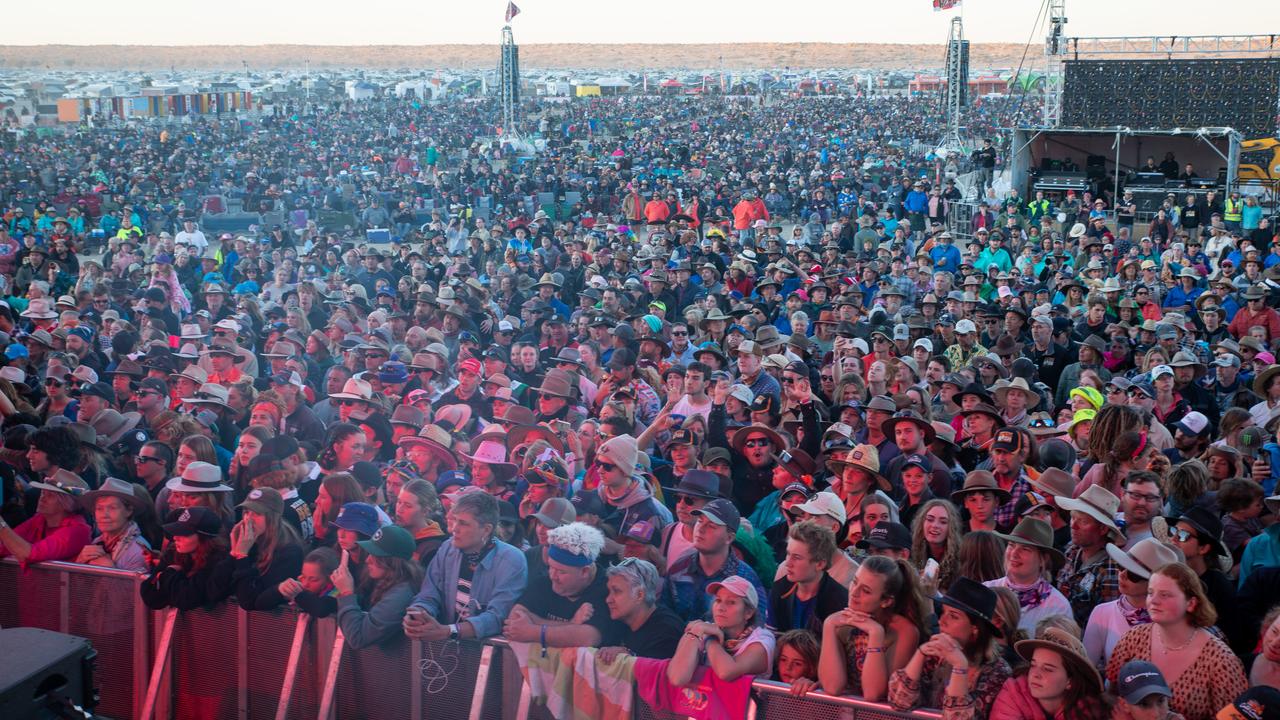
(931, 689)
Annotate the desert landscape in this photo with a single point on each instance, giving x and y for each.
(634, 56)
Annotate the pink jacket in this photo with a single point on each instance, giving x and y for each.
(1015, 703)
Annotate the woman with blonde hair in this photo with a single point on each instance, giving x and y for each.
(165, 277)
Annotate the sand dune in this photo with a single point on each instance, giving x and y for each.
(569, 56)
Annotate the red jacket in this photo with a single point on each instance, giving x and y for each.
(1246, 319)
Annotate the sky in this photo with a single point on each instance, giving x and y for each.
(432, 22)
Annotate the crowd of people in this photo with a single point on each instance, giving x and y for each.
(747, 406)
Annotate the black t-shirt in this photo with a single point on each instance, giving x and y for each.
(541, 600)
(657, 637)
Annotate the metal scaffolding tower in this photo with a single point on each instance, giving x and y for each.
(509, 83)
(957, 81)
(1055, 46)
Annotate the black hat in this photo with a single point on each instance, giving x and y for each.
(1207, 524)
(975, 600)
(367, 474)
(192, 520)
(589, 503)
(721, 512)
(887, 535)
(100, 389)
(699, 483)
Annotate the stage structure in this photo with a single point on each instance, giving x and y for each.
(509, 84)
(957, 82)
(1055, 47)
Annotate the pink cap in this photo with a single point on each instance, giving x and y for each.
(1265, 357)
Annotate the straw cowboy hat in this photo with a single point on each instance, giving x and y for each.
(1098, 503)
(1072, 652)
(437, 441)
(1019, 384)
(865, 458)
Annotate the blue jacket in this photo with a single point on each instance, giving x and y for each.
(945, 257)
(1262, 551)
(498, 582)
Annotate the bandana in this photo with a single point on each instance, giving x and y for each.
(1133, 615)
(1033, 595)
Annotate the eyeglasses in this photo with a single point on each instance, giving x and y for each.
(147, 459)
(758, 442)
(1144, 497)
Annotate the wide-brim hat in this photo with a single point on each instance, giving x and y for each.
(1033, 397)
(1207, 525)
(850, 459)
(1263, 379)
(740, 437)
(112, 487)
(909, 416)
(699, 483)
(522, 434)
(980, 481)
(63, 481)
(1098, 503)
(976, 600)
(1071, 650)
(1038, 534)
(984, 409)
(198, 479)
(555, 386)
(432, 437)
(977, 390)
(1145, 557)
(493, 453)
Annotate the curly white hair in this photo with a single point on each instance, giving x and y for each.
(578, 538)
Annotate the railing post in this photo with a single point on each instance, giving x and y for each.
(482, 682)
(291, 670)
(415, 679)
(160, 669)
(242, 663)
(64, 601)
(140, 647)
(331, 677)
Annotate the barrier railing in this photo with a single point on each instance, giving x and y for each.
(225, 662)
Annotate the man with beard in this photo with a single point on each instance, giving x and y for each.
(1009, 452)
(1141, 501)
(1189, 438)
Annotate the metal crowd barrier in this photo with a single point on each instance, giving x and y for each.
(228, 663)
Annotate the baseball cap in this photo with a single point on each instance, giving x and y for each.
(99, 389)
(1256, 703)
(153, 384)
(1193, 423)
(1138, 680)
(471, 365)
(721, 512)
(965, 326)
(919, 461)
(1227, 360)
(901, 331)
(1160, 371)
(358, 517)
(925, 343)
(887, 535)
(737, 585)
(823, 503)
(389, 541)
(1007, 440)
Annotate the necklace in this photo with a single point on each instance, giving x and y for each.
(1180, 648)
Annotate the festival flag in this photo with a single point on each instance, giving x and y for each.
(939, 5)
(513, 11)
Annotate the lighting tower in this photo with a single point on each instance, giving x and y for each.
(509, 83)
(957, 81)
(1055, 47)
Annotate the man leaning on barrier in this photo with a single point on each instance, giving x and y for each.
(472, 582)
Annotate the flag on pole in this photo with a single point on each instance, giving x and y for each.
(939, 5)
(512, 11)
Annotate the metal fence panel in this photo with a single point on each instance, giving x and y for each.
(101, 610)
(270, 640)
(203, 663)
(373, 683)
(34, 601)
(448, 672)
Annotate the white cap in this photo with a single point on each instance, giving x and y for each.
(1193, 423)
(925, 343)
(823, 503)
(901, 331)
(965, 326)
(1004, 291)
(1161, 370)
(861, 345)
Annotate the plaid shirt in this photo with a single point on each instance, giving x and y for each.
(1087, 586)
(1006, 516)
(686, 586)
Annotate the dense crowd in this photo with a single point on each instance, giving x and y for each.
(744, 406)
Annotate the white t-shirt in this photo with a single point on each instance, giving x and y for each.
(688, 409)
(195, 239)
(765, 637)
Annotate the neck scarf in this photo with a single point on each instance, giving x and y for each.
(732, 644)
(1133, 615)
(473, 559)
(1031, 596)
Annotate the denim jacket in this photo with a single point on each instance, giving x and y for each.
(497, 583)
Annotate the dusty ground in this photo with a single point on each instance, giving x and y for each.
(633, 56)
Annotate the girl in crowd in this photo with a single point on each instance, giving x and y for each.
(981, 556)
(391, 577)
(199, 485)
(980, 497)
(336, 490)
(935, 535)
(117, 507)
(343, 446)
(1029, 560)
(196, 547)
(798, 661)
(1266, 666)
(1178, 642)
(960, 669)
(1059, 684)
(248, 447)
(418, 510)
(885, 620)
(735, 642)
(265, 550)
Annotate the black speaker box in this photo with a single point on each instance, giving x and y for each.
(43, 672)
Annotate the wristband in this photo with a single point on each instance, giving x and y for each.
(873, 650)
(960, 671)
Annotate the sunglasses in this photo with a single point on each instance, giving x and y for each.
(375, 356)
(687, 500)
(53, 382)
(147, 459)
(605, 466)
(1184, 535)
(791, 380)
(351, 403)
(758, 442)
(679, 333)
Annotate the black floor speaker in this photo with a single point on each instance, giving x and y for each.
(44, 674)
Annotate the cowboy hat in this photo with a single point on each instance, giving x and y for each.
(436, 440)
(865, 458)
(1020, 384)
(975, 600)
(1072, 652)
(210, 394)
(493, 454)
(740, 437)
(1098, 503)
(197, 478)
(1036, 533)
(980, 481)
(1145, 557)
(912, 417)
(113, 487)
